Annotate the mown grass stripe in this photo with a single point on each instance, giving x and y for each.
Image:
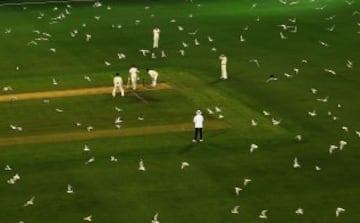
(108, 133)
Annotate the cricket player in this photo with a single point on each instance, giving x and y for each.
(223, 62)
(154, 76)
(198, 121)
(118, 85)
(133, 76)
(156, 37)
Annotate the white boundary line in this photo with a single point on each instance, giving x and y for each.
(43, 2)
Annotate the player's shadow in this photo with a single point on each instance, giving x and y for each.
(196, 145)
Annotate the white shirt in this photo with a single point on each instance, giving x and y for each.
(156, 32)
(198, 120)
(133, 72)
(223, 60)
(153, 74)
(118, 81)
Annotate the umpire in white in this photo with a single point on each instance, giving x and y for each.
(198, 121)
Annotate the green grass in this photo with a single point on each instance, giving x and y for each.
(118, 192)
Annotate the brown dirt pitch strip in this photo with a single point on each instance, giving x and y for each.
(73, 92)
(108, 133)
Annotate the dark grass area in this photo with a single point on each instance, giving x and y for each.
(204, 192)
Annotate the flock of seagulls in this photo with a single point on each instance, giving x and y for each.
(285, 32)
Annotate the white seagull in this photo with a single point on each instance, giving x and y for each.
(155, 218)
(266, 113)
(237, 190)
(312, 113)
(184, 165)
(69, 190)
(88, 218)
(247, 181)
(330, 71)
(296, 163)
(29, 202)
(235, 209)
(299, 211)
(342, 143)
(282, 36)
(339, 210)
(332, 148)
(256, 61)
(275, 122)
(242, 39)
(263, 214)
(253, 122)
(253, 147)
(141, 165)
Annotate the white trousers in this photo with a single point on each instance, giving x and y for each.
(156, 42)
(118, 87)
(133, 82)
(223, 72)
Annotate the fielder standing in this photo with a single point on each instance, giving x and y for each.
(223, 62)
(156, 37)
(133, 76)
(198, 121)
(154, 76)
(118, 85)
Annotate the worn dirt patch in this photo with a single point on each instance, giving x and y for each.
(108, 133)
(74, 92)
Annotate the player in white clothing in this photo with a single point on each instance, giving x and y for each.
(156, 37)
(133, 76)
(198, 121)
(223, 62)
(118, 85)
(154, 76)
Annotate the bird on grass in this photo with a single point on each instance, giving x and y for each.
(141, 165)
(113, 159)
(29, 202)
(299, 211)
(266, 113)
(298, 138)
(263, 214)
(253, 122)
(331, 28)
(237, 190)
(275, 122)
(342, 143)
(323, 43)
(184, 165)
(235, 210)
(247, 181)
(155, 219)
(282, 36)
(91, 160)
(256, 61)
(253, 147)
(330, 71)
(312, 113)
(242, 39)
(86, 148)
(296, 163)
(70, 189)
(332, 148)
(88, 218)
(7, 168)
(338, 211)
